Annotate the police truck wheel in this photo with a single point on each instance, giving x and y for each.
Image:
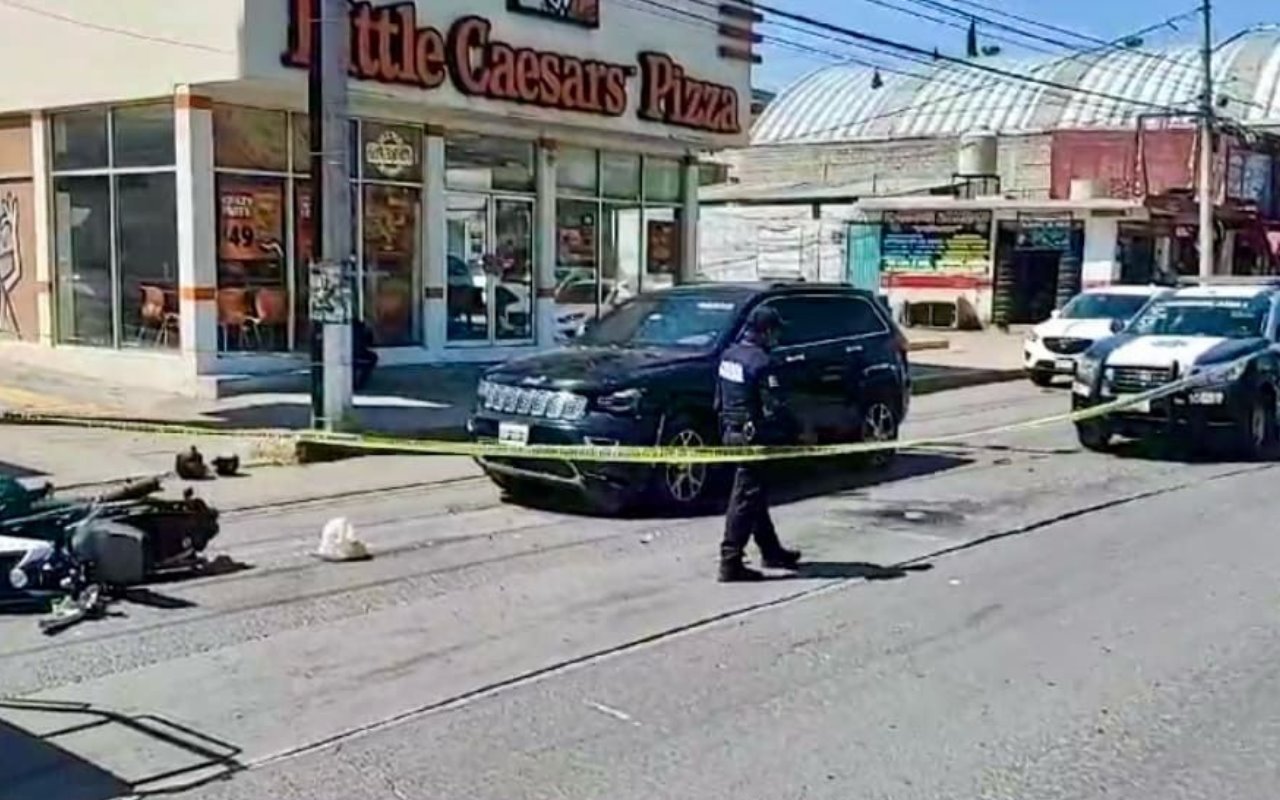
(1257, 433)
(1093, 435)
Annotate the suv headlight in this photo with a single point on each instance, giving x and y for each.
(626, 401)
(1229, 373)
(18, 578)
(1087, 370)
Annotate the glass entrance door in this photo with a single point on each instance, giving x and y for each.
(489, 290)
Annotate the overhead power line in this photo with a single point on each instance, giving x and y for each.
(1130, 44)
(906, 109)
(861, 36)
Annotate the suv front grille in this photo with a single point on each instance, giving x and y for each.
(1136, 380)
(532, 402)
(1066, 346)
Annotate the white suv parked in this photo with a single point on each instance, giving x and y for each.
(1052, 347)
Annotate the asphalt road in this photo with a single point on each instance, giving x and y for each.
(1011, 619)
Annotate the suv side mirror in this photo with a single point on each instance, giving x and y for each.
(1117, 325)
(1054, 314)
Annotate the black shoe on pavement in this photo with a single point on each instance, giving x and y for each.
(783, 559)
(737, 572)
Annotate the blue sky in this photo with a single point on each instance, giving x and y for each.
(1105, 19)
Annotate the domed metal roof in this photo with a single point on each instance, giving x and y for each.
(837, 104)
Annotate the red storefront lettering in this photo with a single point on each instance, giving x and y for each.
(388, 45)
(668, 95)
(482, 67)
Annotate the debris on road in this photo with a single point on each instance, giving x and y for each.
(338, 542)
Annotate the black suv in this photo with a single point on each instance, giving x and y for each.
(644, 374)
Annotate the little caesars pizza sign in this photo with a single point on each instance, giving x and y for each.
(388, 45)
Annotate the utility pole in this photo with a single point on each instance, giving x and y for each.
(331, 268)
(1206, 148)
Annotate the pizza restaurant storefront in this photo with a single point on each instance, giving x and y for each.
(513, 173)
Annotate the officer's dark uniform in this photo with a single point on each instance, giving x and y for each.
(752, 412)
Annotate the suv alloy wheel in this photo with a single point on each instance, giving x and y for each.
(879, 424)
(685, 486)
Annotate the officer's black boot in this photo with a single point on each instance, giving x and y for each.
(734, 571)
(781, 558)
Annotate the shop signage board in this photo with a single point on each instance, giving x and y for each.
(924, 241)
(391, 155)
(575, 12)
(391, 45)
(1044, 232)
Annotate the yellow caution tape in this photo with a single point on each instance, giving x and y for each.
(618, 453)
(614, 454)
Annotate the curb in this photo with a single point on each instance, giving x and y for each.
(916, 345)
(932, 384)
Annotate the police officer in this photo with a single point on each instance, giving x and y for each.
(752, 412)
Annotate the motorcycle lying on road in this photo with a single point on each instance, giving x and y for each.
(77, 555)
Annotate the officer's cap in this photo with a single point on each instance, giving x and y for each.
(763, 319)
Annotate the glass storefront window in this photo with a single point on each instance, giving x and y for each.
(142, 136)
(300, 135)
(513, 270)
(390, 264)
(661, 247)
(661, 180)
(467, 302)
(577, 171)
(250, 138)
(620, 254)
(487, 163)
(489, 294)
(147, 254)
(620, 176)
(82, 249)
(115, 227)
(80, 140)
(577, 289)
(253, 293)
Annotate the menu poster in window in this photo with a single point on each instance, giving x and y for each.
(251, 220)
(390, 217)
(661, 251)
(952, 241)
(578, 243)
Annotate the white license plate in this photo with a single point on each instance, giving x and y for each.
(513, 433)
(1142, 407)
(1066, 365)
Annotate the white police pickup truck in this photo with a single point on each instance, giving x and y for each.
(1227, 333)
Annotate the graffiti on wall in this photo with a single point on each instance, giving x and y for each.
(10, 263)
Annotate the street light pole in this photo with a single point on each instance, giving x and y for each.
(1206, 148)
(331, 268)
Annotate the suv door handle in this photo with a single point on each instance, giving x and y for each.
(853, 348)
(794, 358)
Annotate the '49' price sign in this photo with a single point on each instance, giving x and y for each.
(251, 222)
